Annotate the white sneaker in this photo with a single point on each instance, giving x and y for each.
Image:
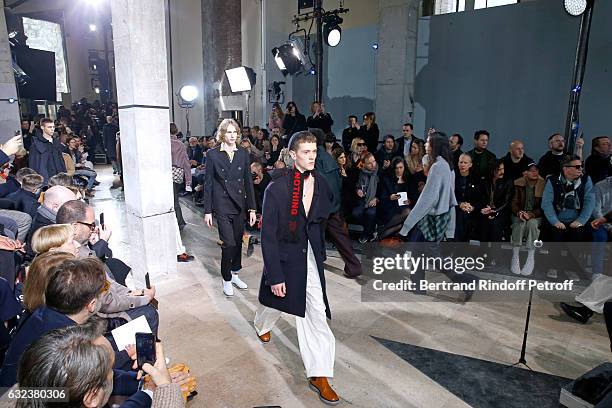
(528, 268)
(515, 265)
(228, 289)
(238, 282)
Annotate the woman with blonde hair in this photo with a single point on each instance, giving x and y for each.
(37, 277)
(56, 237)
(229, 194)
(276, 117)
(414, 159)
(358, 146)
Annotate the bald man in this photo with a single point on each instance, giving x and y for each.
(54, 198)
(515, 161)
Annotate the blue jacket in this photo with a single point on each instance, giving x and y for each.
(25, 201)
(553, 208)
(9, 187)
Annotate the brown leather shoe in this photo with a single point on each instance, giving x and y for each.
(265, 338)
(325, 391)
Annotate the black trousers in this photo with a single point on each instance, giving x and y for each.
(231, 228)
(177, 205)
(338, 233)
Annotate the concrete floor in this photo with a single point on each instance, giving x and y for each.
(214, 335)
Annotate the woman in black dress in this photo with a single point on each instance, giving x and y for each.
(369, 131)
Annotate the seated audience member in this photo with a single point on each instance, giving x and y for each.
(366, 190)
(194, 152)
(526, 217)
(61, 179)
(550, 163)
(26, 198)
(118, 301)
(72, 296)
(393, 181)
(358, 146)
(386, 153)
(56, 237)
(483, 160)
(468, 194)
(455, 142)
(53, 199)
(37, 277)
(348, 180)
(261, 179)
(254, 153)
(12, 184)
(404, 143)
(63, 354)
(261, 142)
(495, 208)
(330, 143)
(350, 132)
(246, 133)
(81, 169)
(602, 228)
(275, 149)
(598, 165)
(9, 309)
(9, 148)
(414, 164)
(568, 202)
(369, 131)
(515, 161)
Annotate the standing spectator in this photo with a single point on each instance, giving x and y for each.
(294, 121)
(495, 211)
(46, 152)
(526, 217)
(598, 165)
(550, 163)
(27, 131)
(180, 161)
(404, 143)
(386, 153)
(319, 119)
(367, 188)
(276, 117)
(369, 131)
(568, 202)
(515, 161)
(455, 142)
(467, 193)
(483, 161)
(109, 137)
(349, 133)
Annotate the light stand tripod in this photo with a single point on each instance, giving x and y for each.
(522, 359)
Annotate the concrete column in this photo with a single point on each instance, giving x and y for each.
(9, 112)
(395, 65)
(142, 93)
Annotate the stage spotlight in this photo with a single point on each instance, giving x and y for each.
(289, 57)
(12, 100)
(375, 46)
(188, 93)
(575, 7)
(97, 90)
(332, 31)
(92, 27)
(241, 79)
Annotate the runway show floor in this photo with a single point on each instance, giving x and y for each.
(428, 352)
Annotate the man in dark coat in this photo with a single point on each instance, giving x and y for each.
(296, 206)
(46, 152)
(229, 193)
(26, 198)
(109, 138)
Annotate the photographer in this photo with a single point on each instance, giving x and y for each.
(261, 179)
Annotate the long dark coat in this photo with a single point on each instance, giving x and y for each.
(285, 261)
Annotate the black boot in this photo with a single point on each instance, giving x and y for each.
(579, 313)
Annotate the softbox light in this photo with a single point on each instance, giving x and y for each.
(241, 79)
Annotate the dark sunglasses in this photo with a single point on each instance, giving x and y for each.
(361, 144)
(91, 226)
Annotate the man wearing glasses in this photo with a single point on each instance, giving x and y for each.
(550, 163)
(568, 202)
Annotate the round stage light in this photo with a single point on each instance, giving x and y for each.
(92, 27)
(575, 7)
(334, 36)
(97, 90)
(12, 100)
(188, 93)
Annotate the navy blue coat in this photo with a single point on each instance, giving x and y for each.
(9, 187)
(228, 187)
(45, 157)
(25, 201)
(286, 261)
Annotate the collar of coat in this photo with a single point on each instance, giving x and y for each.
(539, 185)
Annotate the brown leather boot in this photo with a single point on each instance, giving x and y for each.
(265, 338)
(325, 391)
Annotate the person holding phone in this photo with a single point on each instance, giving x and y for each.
(296, 207)
(319, 118)
(229, 194)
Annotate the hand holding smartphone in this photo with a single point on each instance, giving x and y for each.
(145, 348)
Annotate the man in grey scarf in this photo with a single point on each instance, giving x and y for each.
(367, 186)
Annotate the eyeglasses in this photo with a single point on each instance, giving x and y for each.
(361, 144)
(91, 226)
